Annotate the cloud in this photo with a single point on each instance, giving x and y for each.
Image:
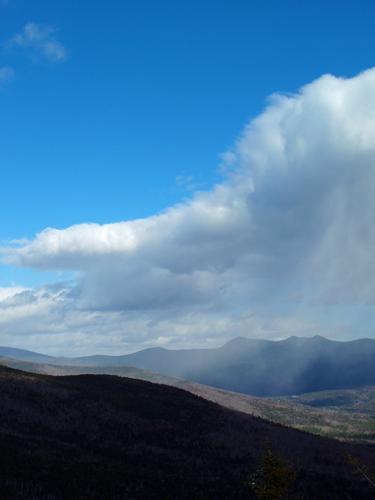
(288, 231)
(10, 292)
(6, 75)
(41, 42)
(186, 182)
(50, 320)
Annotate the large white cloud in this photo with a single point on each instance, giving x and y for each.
(292, 222)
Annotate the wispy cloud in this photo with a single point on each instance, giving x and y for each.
(186, 182)
(6, 75)
(41, 42)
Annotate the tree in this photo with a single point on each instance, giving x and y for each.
(273, 478)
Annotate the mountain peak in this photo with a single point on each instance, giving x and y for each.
(315, 338)
(320, 338)
(237, 341)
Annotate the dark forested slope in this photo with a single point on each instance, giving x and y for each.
(346, 414)
(107, 437)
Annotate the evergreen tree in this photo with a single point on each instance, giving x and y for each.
(273, 478)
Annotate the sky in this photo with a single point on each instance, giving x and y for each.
(177, 174)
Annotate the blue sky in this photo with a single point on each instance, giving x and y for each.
(133, 116)
(150, 91)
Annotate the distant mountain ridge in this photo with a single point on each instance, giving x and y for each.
(296, 365)
(25, 355)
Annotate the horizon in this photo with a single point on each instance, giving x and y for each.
(292, 337)
(175, 176)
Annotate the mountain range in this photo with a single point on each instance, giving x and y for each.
(256, 367)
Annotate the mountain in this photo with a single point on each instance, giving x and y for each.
(258, 367)
(345, 414)
(261, 367)
(24, 355)
(95, 436)
(62, 370)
